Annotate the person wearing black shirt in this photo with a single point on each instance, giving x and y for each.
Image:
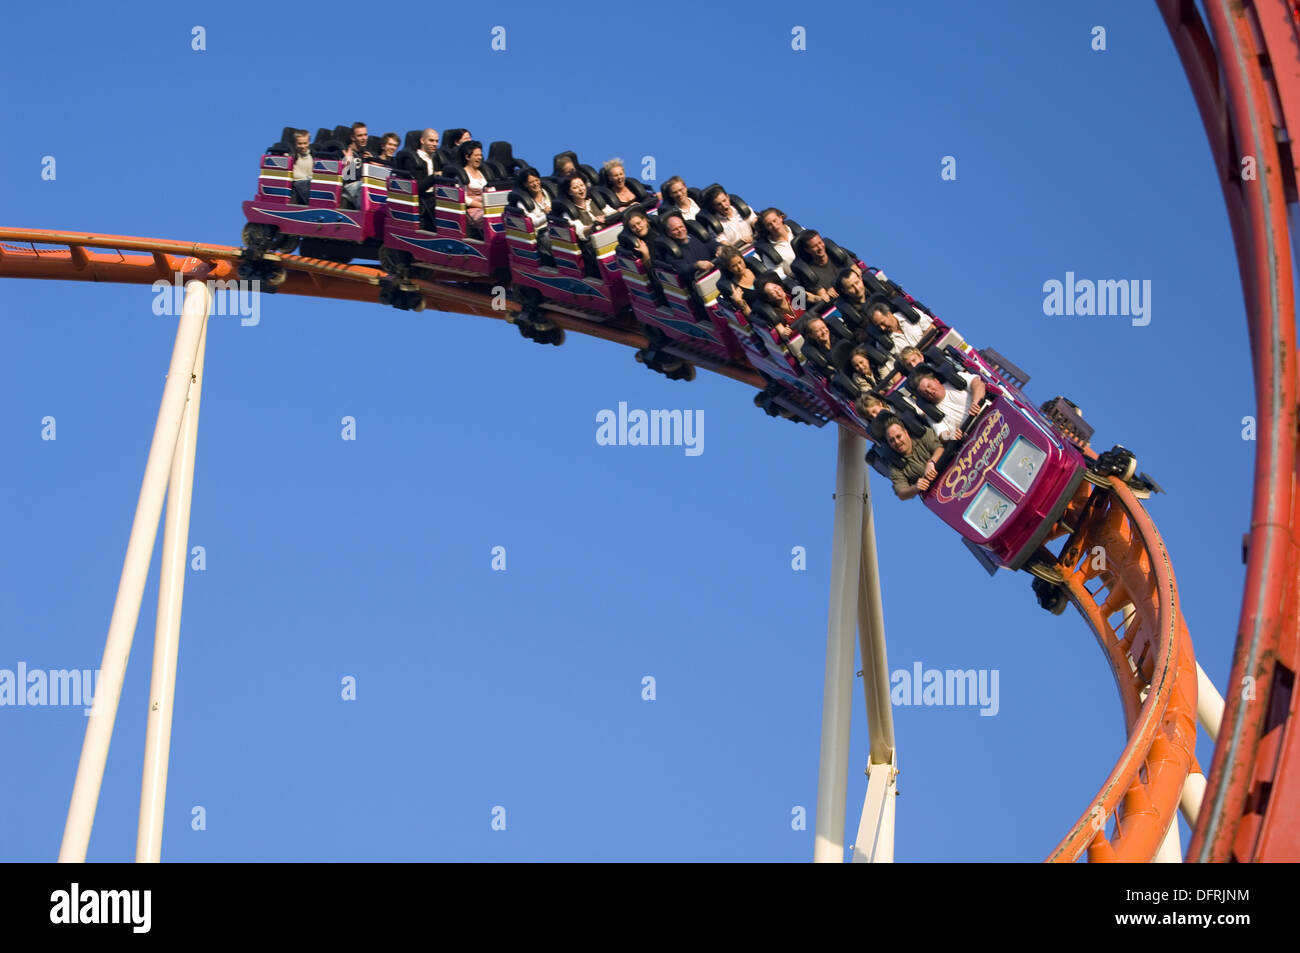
(421, 164)
(811, 250)
(697, 256)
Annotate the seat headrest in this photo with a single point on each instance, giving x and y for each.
(699, 230)
(665, 247)
(762, 310)
(561, 205)
(503, 154)
(555, 162)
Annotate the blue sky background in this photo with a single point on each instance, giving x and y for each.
(371, 558)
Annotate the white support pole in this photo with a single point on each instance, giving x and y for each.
(130, 591)
(167, 631)
(1209, 704)
(1189, 802)
(875, 840)
(871, 638)
(837, 697)
(1170, 850)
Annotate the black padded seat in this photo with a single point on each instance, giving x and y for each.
(286, 144)
(908, 414)
(699, 230)
(502, 154)
(325, 146)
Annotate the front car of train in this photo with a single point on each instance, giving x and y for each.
(1008, 482)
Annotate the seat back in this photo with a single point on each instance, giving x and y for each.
(502, 154)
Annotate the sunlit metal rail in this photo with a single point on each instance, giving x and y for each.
(88, 256)
(1243, 63)
(1117, 574)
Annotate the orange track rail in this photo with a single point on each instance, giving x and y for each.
(1245, 73)
(1149, 774)
(1126, 591)
(88, 256)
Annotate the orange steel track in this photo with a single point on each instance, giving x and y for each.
(1251, 809)
(1244, 69)
(1127, 593)
(1141, 794)
(87, 256)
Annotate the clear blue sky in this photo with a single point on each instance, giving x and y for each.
(522, 689)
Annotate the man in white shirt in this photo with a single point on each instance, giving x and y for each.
(955, 405)
(427, 151)
(736, 229)
(780, 236)
(302, 164)
(353, 158)
(674, 193)
(902, 333)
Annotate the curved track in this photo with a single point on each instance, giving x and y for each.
(1141, 794)
(1244, 69)
(1251, 809)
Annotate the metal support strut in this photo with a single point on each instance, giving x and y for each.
(855, 603)
(135, 569)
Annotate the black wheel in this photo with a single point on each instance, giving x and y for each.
(286, 243)
(275, 276)
(395, 261)
(1128, 464)
(258, 239)
(1051, 596)
(1117, 461)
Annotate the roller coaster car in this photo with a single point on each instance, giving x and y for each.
(327, 230)
(764, 350)
(676, 315)
(567, 282)
(1006, 484)
(434, 230)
